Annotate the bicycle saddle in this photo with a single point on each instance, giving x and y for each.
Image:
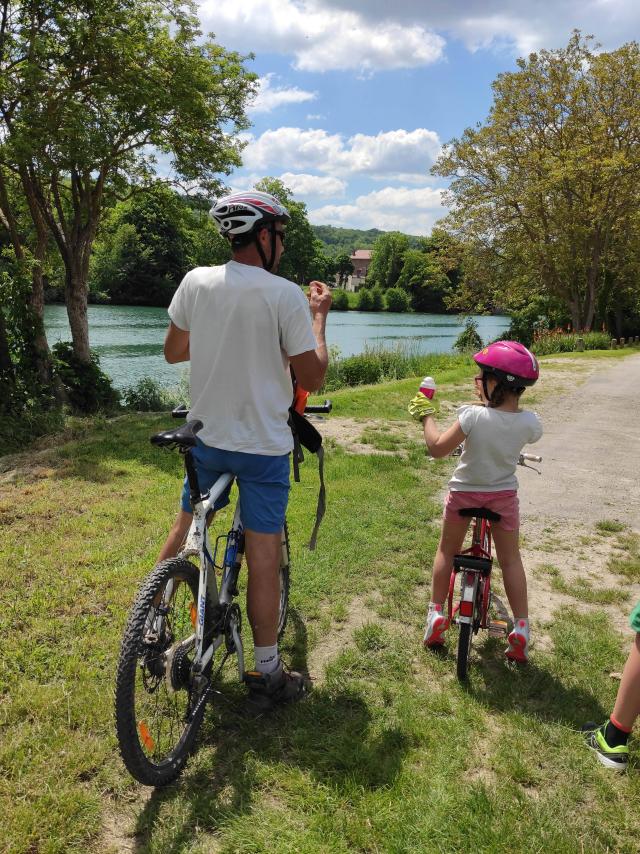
(184, 437)
(482, 512)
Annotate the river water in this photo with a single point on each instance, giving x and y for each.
(129, 339)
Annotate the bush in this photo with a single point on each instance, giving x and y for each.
(148, 396)
(87, 387)
(398, 300)
(377, 365)
(340, 301)
(558, 341)
(17, 432)
(533, 319)
(377, 299)
(365, 300)
(469, 341)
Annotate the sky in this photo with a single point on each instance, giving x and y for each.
(357, 97)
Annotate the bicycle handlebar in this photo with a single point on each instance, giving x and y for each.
(532, 458)
(326, 407)
(182, 410)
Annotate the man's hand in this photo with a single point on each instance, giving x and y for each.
(319, 299)
(420, 406)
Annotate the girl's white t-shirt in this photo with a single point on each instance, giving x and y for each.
(493, 444)
(243, 324)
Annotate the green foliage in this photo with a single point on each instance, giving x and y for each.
(340, 300)
(377, 299)
(365, 300)
(343, 267)
(87, 387)
(423, 277)
(23, 388)
(301, 249)
(147, 244)
(344, 241)
(387, 259)
(397, 300)
(377, 364)
(469, 341)
(147, 395)
(558, 341)
(545, 192)
(96, 90)
(538, 315)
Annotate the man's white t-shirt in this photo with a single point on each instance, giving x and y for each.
(493, 444)
(243, 324)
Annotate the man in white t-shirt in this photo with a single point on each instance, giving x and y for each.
(240, 326)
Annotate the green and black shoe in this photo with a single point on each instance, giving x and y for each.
(616, 758)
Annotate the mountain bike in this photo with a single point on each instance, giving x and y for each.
(474, 608)
(182, 628)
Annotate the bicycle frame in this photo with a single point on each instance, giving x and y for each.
(475, 565)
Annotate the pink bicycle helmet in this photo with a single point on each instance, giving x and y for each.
(510, 362)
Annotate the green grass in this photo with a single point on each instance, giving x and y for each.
(583, 590)
(625, 560)
(388, 752)
(609, 526)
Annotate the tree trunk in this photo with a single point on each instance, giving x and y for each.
(7, 374)
(76, 294)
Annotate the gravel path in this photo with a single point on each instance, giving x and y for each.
(590, 450)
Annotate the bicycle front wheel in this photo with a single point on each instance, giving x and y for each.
(158, 710)
(464, 649)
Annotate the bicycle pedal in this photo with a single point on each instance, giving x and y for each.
(498, 628)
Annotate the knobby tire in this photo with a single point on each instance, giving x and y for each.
(155, 734)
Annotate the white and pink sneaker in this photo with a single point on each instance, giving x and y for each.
(518, 649)
(437, 625)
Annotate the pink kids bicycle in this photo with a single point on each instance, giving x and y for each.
(472, 611)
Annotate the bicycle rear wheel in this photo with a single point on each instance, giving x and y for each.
(158, 709)
(284, 582)
(464, 649)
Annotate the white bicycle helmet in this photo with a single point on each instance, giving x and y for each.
(240, 216)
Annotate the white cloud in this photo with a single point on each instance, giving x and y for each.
(320, 37)
(512, 23)
(303, 185)
(411, 210)
(399, 154)
(269, 97)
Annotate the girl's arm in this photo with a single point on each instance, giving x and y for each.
(441, 444)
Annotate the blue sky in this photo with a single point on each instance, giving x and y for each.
(358, 96)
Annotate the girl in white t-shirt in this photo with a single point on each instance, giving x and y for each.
(493, 434)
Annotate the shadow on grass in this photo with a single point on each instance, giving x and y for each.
(326, 736)
(529, 689)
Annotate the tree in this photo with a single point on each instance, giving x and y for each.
(300, 250)
(387, 259)
(344, 268)
(148, 243)
(91, 92)
(422, 276)
(540, 189)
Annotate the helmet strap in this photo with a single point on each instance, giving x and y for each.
(484, 387)
(272, 230)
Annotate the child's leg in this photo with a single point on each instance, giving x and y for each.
(627, 706)
(451, 540)
(507, 545)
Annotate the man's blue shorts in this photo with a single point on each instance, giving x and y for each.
(263, 483)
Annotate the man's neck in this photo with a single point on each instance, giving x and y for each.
(245, 256)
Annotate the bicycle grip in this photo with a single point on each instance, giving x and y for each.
(532, 458)
(180, 411)
(325, 407)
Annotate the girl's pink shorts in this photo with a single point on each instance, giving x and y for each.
(505, 503)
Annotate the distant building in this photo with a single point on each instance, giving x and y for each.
(361, 259)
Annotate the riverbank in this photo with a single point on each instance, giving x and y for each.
(388, 752)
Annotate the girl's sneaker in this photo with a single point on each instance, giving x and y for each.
(437, 625)
(518, 649)
(616, 758)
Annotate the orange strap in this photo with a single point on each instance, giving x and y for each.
(300, 398)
